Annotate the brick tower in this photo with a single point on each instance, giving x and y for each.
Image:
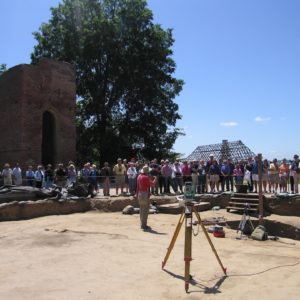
(37, 116)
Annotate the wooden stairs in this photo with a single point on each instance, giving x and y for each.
(239, 201)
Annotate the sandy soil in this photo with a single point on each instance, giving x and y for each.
(107, 256)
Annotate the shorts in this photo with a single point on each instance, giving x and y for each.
(214, 178)
(274, 178)
(120, 179)
(265, 178)
(283, 179)
(255, 177)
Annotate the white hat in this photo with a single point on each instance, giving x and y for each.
(145, 170)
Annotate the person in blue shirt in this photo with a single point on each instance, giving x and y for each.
(231, 168)
(255, 177)
(49, 174)
(255, 174)
(39, 176)
(201, 178)
(225, 172)
(295, 167)
(93, 180)
(30, 176)
(214, 176)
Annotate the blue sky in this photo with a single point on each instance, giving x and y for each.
(239, 60)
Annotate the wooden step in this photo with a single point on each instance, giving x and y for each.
(245, 199)
(242, 203)
(248, 195)
(228, 208)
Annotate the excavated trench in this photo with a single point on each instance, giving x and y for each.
(274, 228)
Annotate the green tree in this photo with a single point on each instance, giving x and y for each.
(124, 72)
(2, 68)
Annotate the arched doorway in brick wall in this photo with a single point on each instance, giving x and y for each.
(48, 139)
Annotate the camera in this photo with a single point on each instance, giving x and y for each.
(189, 191)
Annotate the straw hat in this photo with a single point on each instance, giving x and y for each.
(145, 170)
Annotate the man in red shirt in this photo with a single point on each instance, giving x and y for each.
(186, 172)
(143, 194)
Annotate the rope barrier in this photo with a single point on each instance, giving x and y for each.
(114, 176)
(175, 182)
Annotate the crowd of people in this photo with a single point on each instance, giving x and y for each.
(209, 176)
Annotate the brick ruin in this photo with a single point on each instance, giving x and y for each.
(37, 116)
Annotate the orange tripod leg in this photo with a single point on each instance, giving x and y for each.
(209, 240)
(187, 251)
(171, 246)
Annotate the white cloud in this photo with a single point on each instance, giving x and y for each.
(261, 120)
(228, 124)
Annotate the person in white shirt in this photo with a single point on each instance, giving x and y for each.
(7, 175)
(177, 176)
(17, 175)
(132, 174)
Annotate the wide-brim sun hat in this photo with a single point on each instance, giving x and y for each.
(145, 170)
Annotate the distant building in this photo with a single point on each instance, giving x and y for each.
(225, 150)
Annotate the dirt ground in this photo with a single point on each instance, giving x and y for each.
(98, 255)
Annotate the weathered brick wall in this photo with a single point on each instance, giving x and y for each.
(10, 113)
(26, 92)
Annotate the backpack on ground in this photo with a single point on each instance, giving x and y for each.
(259, 233)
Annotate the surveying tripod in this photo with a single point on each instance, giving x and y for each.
(245, 222)
(187, 216)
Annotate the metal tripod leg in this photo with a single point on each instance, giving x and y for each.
(244, 220)
(171, 246)
(242, 225)
(188, 248)
(209, 240)
(250, 222)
